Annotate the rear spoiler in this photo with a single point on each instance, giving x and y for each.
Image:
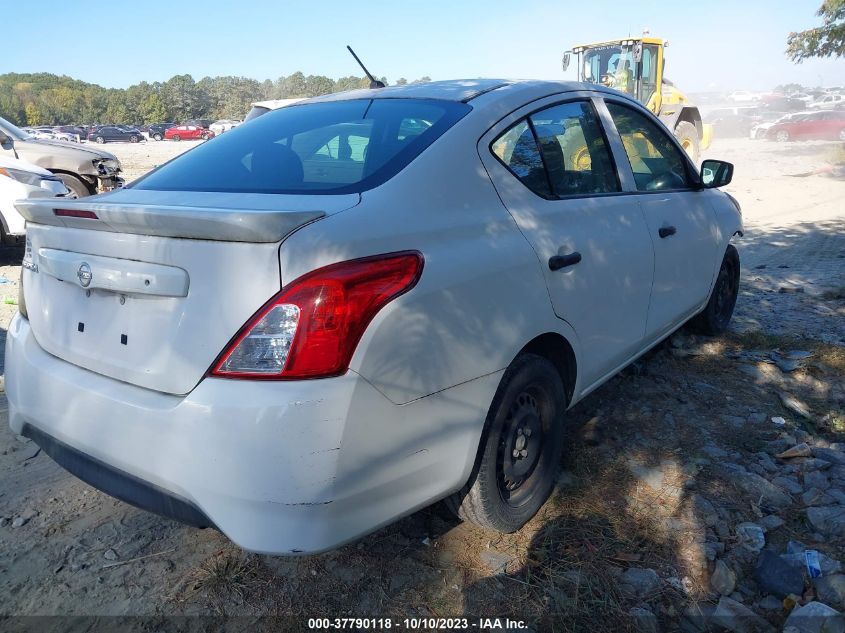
(202, 223)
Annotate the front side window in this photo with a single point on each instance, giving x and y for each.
(657, 163)
(574, 150)
(327, 148)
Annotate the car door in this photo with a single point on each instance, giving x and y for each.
(552, 168)
(680, 217)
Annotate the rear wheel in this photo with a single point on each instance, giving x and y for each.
(77, 188)
(521, 448)
(687, 135)
(782, 136)
(716, 316)
(133, 139)
(157, 137)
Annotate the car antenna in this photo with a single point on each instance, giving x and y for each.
(374, 83)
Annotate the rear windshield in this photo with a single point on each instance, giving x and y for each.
(255, 112)
(334, 147)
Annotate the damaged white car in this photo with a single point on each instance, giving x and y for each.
(360, 304)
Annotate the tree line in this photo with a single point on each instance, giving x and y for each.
(47, 99)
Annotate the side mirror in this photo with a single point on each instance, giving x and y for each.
(5, 141)
(566, 56)
(716, 173)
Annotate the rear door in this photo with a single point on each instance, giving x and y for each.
(680, 218)
(552, 168)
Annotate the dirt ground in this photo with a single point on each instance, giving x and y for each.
(669, 464)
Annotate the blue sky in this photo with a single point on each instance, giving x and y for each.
(720, 44)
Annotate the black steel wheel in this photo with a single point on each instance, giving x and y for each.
(716, 316)
(521, 448)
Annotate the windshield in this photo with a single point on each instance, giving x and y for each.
(611, 65)
(13, 131)
(333, 147)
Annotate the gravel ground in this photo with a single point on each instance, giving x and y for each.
(675, 480)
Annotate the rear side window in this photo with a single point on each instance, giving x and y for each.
(576, 155)
(562, 152)
(517, 149)
(334, 148)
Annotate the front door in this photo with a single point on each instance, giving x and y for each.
(553, 170)
(680, 217)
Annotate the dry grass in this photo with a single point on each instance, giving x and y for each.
(609, 513)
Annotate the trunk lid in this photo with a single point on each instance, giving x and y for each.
(152, 289)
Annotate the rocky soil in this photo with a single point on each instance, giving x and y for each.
(695, 483)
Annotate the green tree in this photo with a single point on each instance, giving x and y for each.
(293, 86)
(316, 85)
(152, 109)
(116, 110)
(183, 98)
(827, 40)
(33, 114)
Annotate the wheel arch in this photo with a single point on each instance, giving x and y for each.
(557, 349)
(86, 180)
(690, 114)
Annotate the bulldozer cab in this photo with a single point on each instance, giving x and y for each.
(633, 66)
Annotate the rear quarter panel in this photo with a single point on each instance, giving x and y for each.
(481, 296)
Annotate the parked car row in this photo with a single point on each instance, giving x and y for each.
(85, 170)
(59, 133)
(815, 125)
(111, 133)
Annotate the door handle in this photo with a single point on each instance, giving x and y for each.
(562, 261)
(666, 231)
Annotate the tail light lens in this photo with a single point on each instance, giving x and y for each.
(312, 327)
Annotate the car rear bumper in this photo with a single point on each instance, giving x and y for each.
(279, 467)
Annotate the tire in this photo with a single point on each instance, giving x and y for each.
(842, 134)
(100, 140)
(133, 139)
(782, 136)
(175, 137)
(525, 418)
(687, 135)
(204, 137)
(716, 316)
(78, 189)
(157, 137)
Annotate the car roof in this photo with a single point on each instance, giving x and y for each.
(463, 90)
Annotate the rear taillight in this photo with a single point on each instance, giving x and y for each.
(311, 328)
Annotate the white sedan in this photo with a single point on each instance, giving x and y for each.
(223, 125)
(363, 303)
(21, 180)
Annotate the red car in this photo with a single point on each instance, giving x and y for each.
(187, 132)
(825, 125)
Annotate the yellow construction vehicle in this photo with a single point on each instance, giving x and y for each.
(636, 66)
